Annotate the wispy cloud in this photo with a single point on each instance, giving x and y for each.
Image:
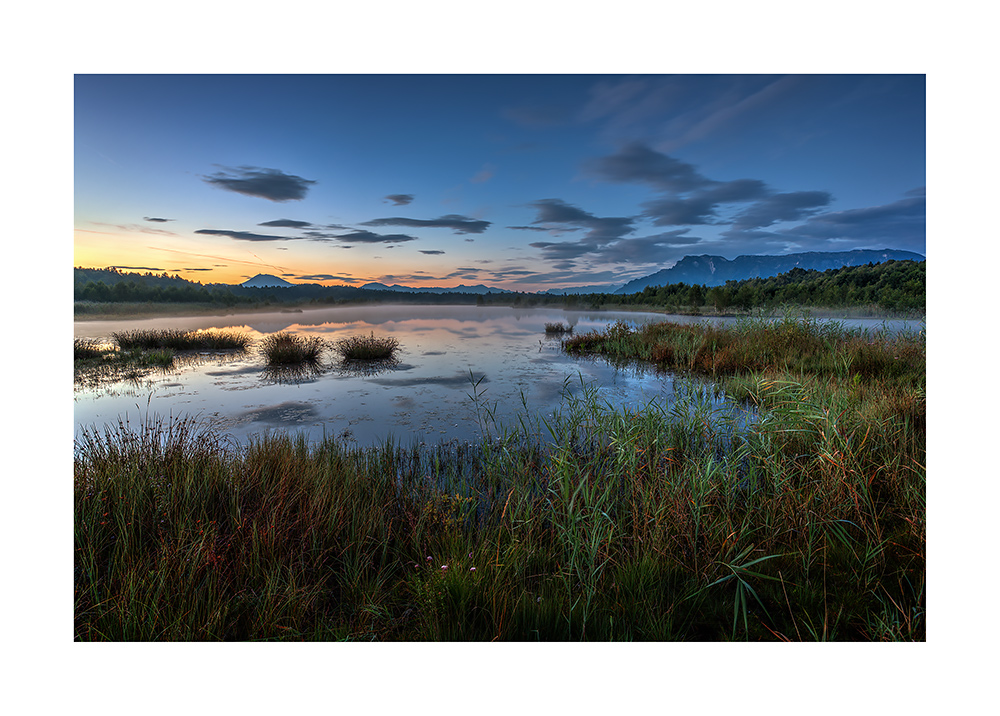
(134, 228)
(484, 174)
(432, 252)
(270, 184)
(326, 277)
(155, 218)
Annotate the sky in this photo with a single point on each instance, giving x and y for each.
(519, 181)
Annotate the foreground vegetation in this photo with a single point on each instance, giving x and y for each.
(797, 515)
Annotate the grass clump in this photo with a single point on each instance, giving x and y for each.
(367, 348)
(558, 328)
(85, 349)
(291, 349)
(181, 340)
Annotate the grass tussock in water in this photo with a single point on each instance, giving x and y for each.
(367, 348)
(801, 517)
(133, 354)
(558, 328)
(181, 340)
(283, 349)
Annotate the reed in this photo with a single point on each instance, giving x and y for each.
(558, 328)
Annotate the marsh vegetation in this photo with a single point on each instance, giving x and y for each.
(282, 349)
(802, 518)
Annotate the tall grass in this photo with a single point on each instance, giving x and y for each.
(797, 514)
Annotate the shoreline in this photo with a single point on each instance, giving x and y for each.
(168, 310)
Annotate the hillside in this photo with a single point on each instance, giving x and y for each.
(709, 270)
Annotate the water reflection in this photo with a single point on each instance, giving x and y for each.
(453, 362)
(291, 374)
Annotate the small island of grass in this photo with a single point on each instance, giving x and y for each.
(367, 348)
(557, 328)
(282, 349)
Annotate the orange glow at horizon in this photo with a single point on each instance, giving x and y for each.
(101, 249)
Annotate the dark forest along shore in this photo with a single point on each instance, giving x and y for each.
(460, 371)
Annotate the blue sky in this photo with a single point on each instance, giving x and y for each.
(525, 182)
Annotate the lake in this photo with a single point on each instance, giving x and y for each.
(459, 367)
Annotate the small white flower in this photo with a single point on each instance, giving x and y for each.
(444, 566)
(472, 569)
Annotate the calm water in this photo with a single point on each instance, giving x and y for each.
(448, 354)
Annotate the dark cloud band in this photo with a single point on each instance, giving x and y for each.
(459, 224)
(270, 184)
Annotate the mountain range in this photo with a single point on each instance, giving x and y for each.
(478, 288)
(705, 269)
(716, 270)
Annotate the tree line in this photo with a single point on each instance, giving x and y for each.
(890, 285)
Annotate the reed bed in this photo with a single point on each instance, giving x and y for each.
(797, 513)
(558, 328)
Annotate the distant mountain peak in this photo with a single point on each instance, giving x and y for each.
(266, 280)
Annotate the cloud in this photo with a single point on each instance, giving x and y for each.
(325, 277)
(673, 112)
(790, 206)
(654, 249)
(368, 237)
(555, 212)
(155, 218)
(287, 223)
(134, 228)
(270, 184)
(400, 199)
(433, 252)
(460, 224)
(243, 235)
(636, 162)
(903, 222)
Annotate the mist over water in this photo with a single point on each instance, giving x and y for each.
(460, 369)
